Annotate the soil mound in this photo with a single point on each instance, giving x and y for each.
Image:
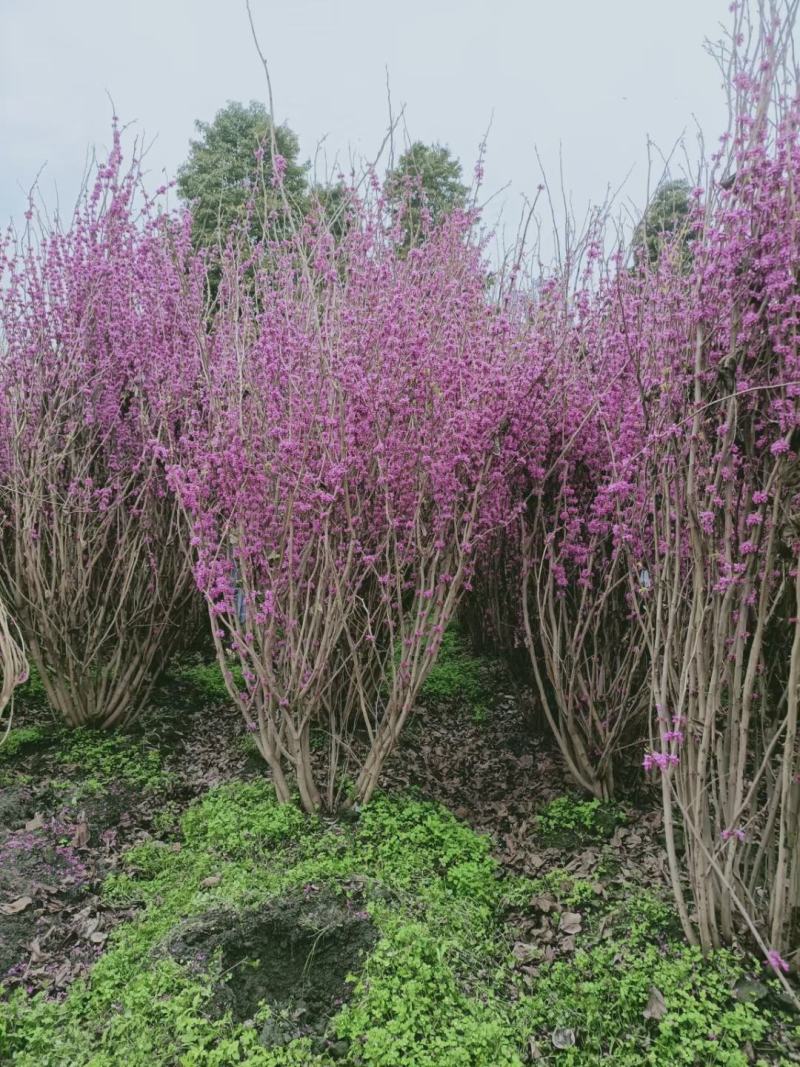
(294, 954)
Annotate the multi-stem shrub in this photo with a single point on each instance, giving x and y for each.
(574, 575)
(554, 578)
(98, 323)
(13, 665)
(717, 488)
(666, 495)
(337, 481)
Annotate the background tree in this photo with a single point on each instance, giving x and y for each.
(666, 217)
(427, 181)
(334, 203)
(231, 165)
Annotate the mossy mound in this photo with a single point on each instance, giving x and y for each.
(296, 954)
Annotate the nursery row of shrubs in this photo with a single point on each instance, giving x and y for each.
(337, 443)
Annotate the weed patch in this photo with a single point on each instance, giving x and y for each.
(646, 1004)
(570, 821)
(268, 938)
(19, 740)
(459, 677)
(203, 679)
(407, 896)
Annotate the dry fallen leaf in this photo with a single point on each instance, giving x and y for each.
(747, 990)
(656, 1006)
(543, 903)
(20, 904)
(80, 839)
(35, 950)
(91, 925)
(524, 952)
(570, 922)
(534, 1052)
(61, 977)
(563, 1038)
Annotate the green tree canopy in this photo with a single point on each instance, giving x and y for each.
(230, 164)
(426, 178)
(332, 201)
(666, 218)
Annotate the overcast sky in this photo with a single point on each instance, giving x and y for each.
(594, 77)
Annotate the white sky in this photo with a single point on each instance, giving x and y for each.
(596, 77)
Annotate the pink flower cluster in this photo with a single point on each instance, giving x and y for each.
(660, 760)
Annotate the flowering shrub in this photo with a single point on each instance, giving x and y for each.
(659, 538)
(98, 324)
(722, 626)
(360, 434)
(574, 581)
(707, 512)
(338, 480)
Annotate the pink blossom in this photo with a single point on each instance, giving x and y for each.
(777, 962)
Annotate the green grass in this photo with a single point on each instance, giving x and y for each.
(90, 760)
(572, 820)
(440, 988)
(85, 762)
(426, 998)
(601, 998)
(563, 887)
(19, 738)
(204, 678)
(101, 759)
(32, 693)
(634, 993)
(459, 677)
